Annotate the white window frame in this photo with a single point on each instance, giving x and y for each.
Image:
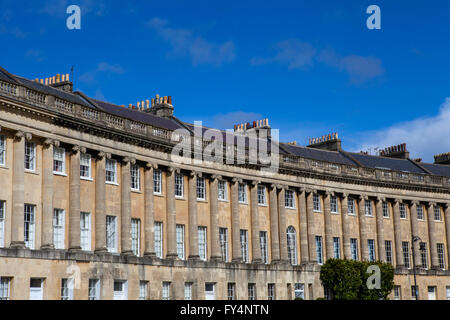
(388, 249)
(143, 290)
(441, 255)
(94, 289)
(351, 207)
(59, 226)
(264, 243)
(420, 216)
(299, 290)
(402, 209)
(244, 245)
(2, 222)
(30, 156)
(201, 188)
(85, 231)
(252, 291)
(111, 234)
(371, 249)
(406, 255)
(319, 250)
(111, 171)
(158, 234)
(354, 248)
(242, 193)
(67, 285)
(157, 181)
(35, 289)
(386, 209)
(289, 199)
(291, 235)
(181, 250)
(368, 208)
(337, 247)
(122, 294)
(188, 291)
(317, 206)
(29, 225)
(334, 208)
(85, 162)
(424, 256)
(136, 236)
(5, 288)
(271, 291)
(397, 292)
(179, 185)
(437, 213)
(222, 190)
(210, 294)
(135, 177)
(59, 160)
(231, 291)
(202, 243)
(262, 199)
(447, 289)
(165, 294)
(2, 150)
(223, 239)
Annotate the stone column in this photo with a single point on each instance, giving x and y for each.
(303, 226)
(74, 199)
(363, 228)
(311, 231)
(274, 231)
(398, 234)
(282, 224)
(214, 217)
(328, 229)
(432, 235)
(192, 213)
(447, 229)
(149, 213)
(346, 227)
(171, 213)
(256, 246)
(47, 195)
(125, 206)
(380, 229)
(235, 223)
(18, 191)
(415, 232)
(100, 202)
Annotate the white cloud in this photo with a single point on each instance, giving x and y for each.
(424, 137)
(185, 42)
(302, 55)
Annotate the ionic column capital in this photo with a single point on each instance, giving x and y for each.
(397, 200)
(151, 165)
(216, 177)
(28, 136)
(415, 202)
(345, 194)
(194, 173)
(234, 180)
(50, 142)
(432, 204)
(75, 149)
(330, 193)
(255, 183)
(19, 135)
(363, 197)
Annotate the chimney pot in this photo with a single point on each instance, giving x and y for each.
(130, 106)
(58, 78)
(170, 99)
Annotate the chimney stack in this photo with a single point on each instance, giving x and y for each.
(327, 142)
(443, 158)
(398, 151)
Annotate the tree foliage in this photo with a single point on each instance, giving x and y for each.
(347, 279)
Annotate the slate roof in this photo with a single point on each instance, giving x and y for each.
(346, 158)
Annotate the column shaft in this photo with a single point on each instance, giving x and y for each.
(18, 192)
(311, 231)
(126, 207)
(256, 247)
(363, 229)
(282, 225)
(398, 235)
(236, 249)
(303, 227)
(346, 228)
(432, 235)
(149, 215)
(380, 231)
(214, 217)
(100, 203)
(274, 231)
(447, 230)
(74, 200)
(328, 228)
(47, 196)
(192, 213)
(171, 214)
(415, 232)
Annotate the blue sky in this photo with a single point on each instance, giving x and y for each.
(311, 67)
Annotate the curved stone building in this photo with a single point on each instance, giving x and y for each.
(97, 202)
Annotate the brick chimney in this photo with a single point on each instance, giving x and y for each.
(257, 126)
(398, 151)
(161, 106)
(443, 158)
(329, 142)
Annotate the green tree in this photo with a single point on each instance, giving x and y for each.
(347, 279)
